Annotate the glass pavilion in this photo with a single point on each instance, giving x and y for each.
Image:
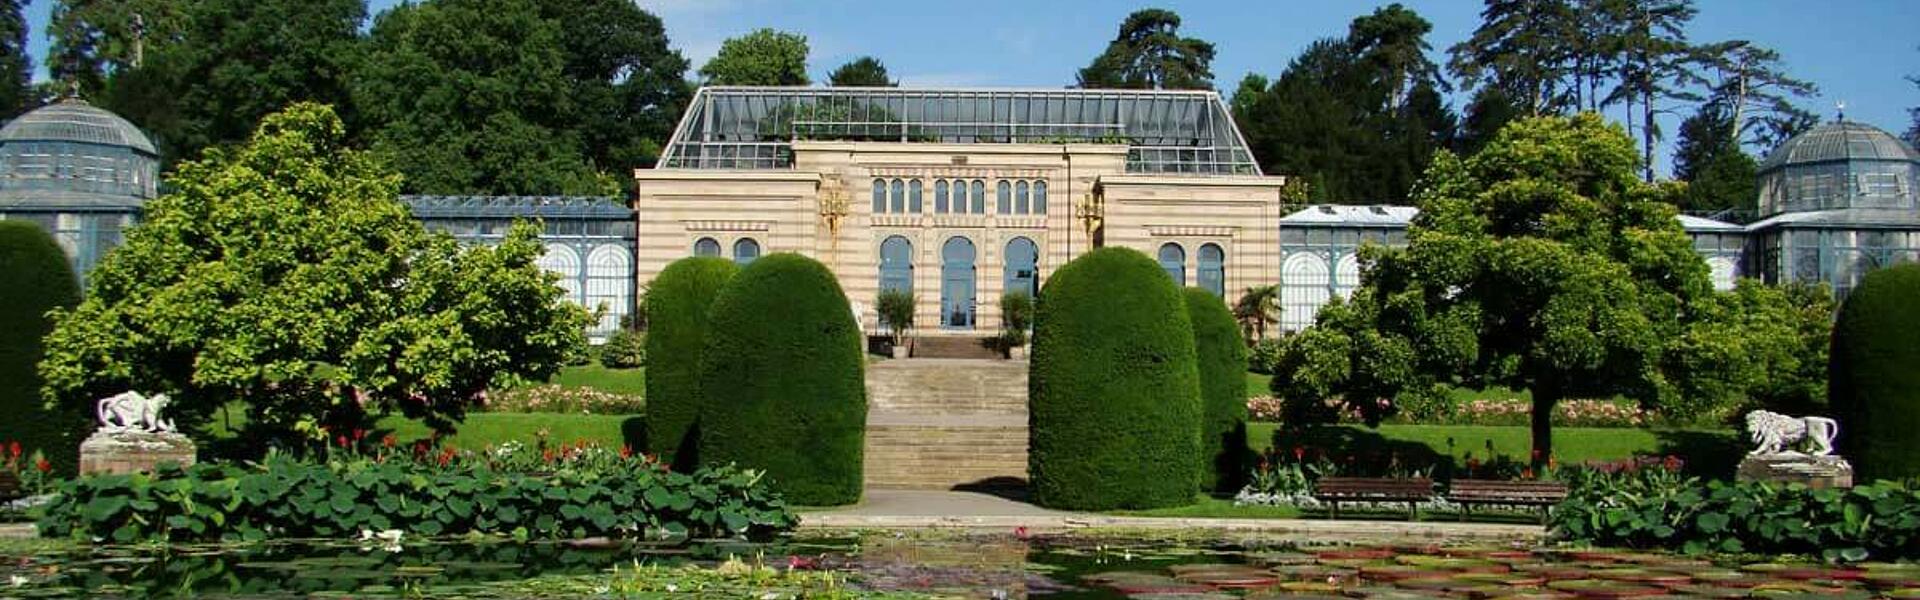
(80, 172)
(1836, 202)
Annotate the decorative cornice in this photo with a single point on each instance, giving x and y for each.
(1192, 231)
(728, 225)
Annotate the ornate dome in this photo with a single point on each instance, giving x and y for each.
(1839, 141)
(74, 120)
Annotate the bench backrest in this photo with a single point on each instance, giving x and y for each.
(1484, 488)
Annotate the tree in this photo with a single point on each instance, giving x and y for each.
(764, 57)
(1150, 54)
(93, 39)
(627, 87)
(16, 70)
(1753, 87)
(1758, 346)
(1656, 64)
(284, 278)
(1720, 175)
(677, 309)
(234, 62)
(1115, 416)
(1520, 47)
(1875, 389)
(1392, 43)
(1489, 112)
(865, 71)
(484, 97)
(35, 278)
(1257, 309)
(784, 377)
(1540, 263)
(1913, 132)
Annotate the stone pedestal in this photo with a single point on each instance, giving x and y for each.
(1814, 471)
(122, 452)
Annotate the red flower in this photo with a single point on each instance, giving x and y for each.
(13, 448)
(43, 465)
(626, 451)
(342, 440)
(388, 441)
(359, 434)
(1299, 453)
(1020, 532)
(1527, 474)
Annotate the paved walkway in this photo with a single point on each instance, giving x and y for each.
(914, 509)
(17, 531)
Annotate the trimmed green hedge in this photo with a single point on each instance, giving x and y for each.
(288, 498)
(1222, 359)
(34, 278)
(678, 300)
(1114, 415)
(1874, 376)
(785, 377)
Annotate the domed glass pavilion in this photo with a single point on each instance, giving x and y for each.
(1836, 202)
(80, 172)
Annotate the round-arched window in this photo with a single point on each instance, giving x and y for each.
(1213, 270)
(1173, 258)
(706, 247)
(745, 250)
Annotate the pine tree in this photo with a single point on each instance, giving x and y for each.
(1150, 54)
(16, 71)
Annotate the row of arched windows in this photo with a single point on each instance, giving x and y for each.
(960, 196)
(1212, 272)
(1021, 272)
(744, 249)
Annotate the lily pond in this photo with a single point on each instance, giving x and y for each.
(915, 565)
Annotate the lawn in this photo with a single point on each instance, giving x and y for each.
(631, 382)
(1708, 451)
(1209, 507)
(1257, 384)
(485, 429)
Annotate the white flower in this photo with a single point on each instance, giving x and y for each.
(16, 580)
(671, 588)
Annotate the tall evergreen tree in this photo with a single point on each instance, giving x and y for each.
(1488, 111)
(764, 57)
(1755, 91)
(865, 71)
(1392, 42)
(1150, 54)
(1656, 64)
(1521, 47)
(1720, 175)
(92, 39)
(1913, 132)
(16, 70)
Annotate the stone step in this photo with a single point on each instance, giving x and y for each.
(955, 346)
(947, 386)
(942, 456)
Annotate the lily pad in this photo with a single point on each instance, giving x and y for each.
(1596, 588)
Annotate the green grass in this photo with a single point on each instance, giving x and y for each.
(1257, 384)
(1706, 449)
(632, 382)
(486, 429)
(1208, 507)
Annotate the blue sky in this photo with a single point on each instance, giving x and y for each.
(1857, 51)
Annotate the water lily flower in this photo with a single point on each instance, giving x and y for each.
(16, 580)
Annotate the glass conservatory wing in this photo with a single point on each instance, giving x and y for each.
(1167, 131)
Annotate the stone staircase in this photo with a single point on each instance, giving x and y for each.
(954, 346)
(946, 423)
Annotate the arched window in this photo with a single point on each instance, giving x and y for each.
(1023, 270)
(960, 196)
(1039, 197)
(1173, 258)
(1006, 197)
(879, 196)
(1346, 276)
(899, 196)
(1305, 285)
(913, 197)
(1213, 270)
(706, 247)
(896, 264)
(979, 197)
(1021, 205)
(745, 250)
(957, 284)
(940, 196)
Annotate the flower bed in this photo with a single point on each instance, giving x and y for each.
(1503, 412)
(561, 492)
(551, 398)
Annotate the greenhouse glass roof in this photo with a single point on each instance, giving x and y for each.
(1166, 131)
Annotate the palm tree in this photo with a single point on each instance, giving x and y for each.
(1257, 308)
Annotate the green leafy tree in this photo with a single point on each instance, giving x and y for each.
(1520, 47)
(627, 87)
(93, 39)
(1487, 113)
(1150, 54)
(1720, 175)
(895, 307)
(677, 309)
(1221, 356)
(17, 94)
(1758, 346)
(764, 57)
(865, 71)
(1540, 263)
(1875, 387)
(483, 97)
(35, 278)
(234, 62)
(285, 279)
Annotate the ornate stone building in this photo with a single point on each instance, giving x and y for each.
(959, 196)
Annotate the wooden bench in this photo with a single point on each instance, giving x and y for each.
(1335, 490)
(9, 486)
(1542, 494)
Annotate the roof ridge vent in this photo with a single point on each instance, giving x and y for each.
(1326, 209)
(1378, 209)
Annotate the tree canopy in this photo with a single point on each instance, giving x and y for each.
(764, 57)
(865, 71)
(1720, 175)
(1541, 263)
(285, 277)
(1149, 53)
(16, 70)
(94, 39)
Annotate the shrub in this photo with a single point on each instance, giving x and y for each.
(784, 372)
(678, 300)
(1016, 317)
(625, 349)
(1221, 356)
(282, 497)
(1879, 521)
(1874, 380)
(1263, 354)
(1115, 394)
(34, 278)
(895, 308)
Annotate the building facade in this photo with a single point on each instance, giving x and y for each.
(960, 196)
(80, 172)
(1836, 202)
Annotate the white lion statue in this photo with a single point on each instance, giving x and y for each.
(131, 411)
(1775, 433)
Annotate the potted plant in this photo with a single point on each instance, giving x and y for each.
(1016, 318)
(895, 308)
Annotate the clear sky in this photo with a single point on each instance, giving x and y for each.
(1858, 51)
